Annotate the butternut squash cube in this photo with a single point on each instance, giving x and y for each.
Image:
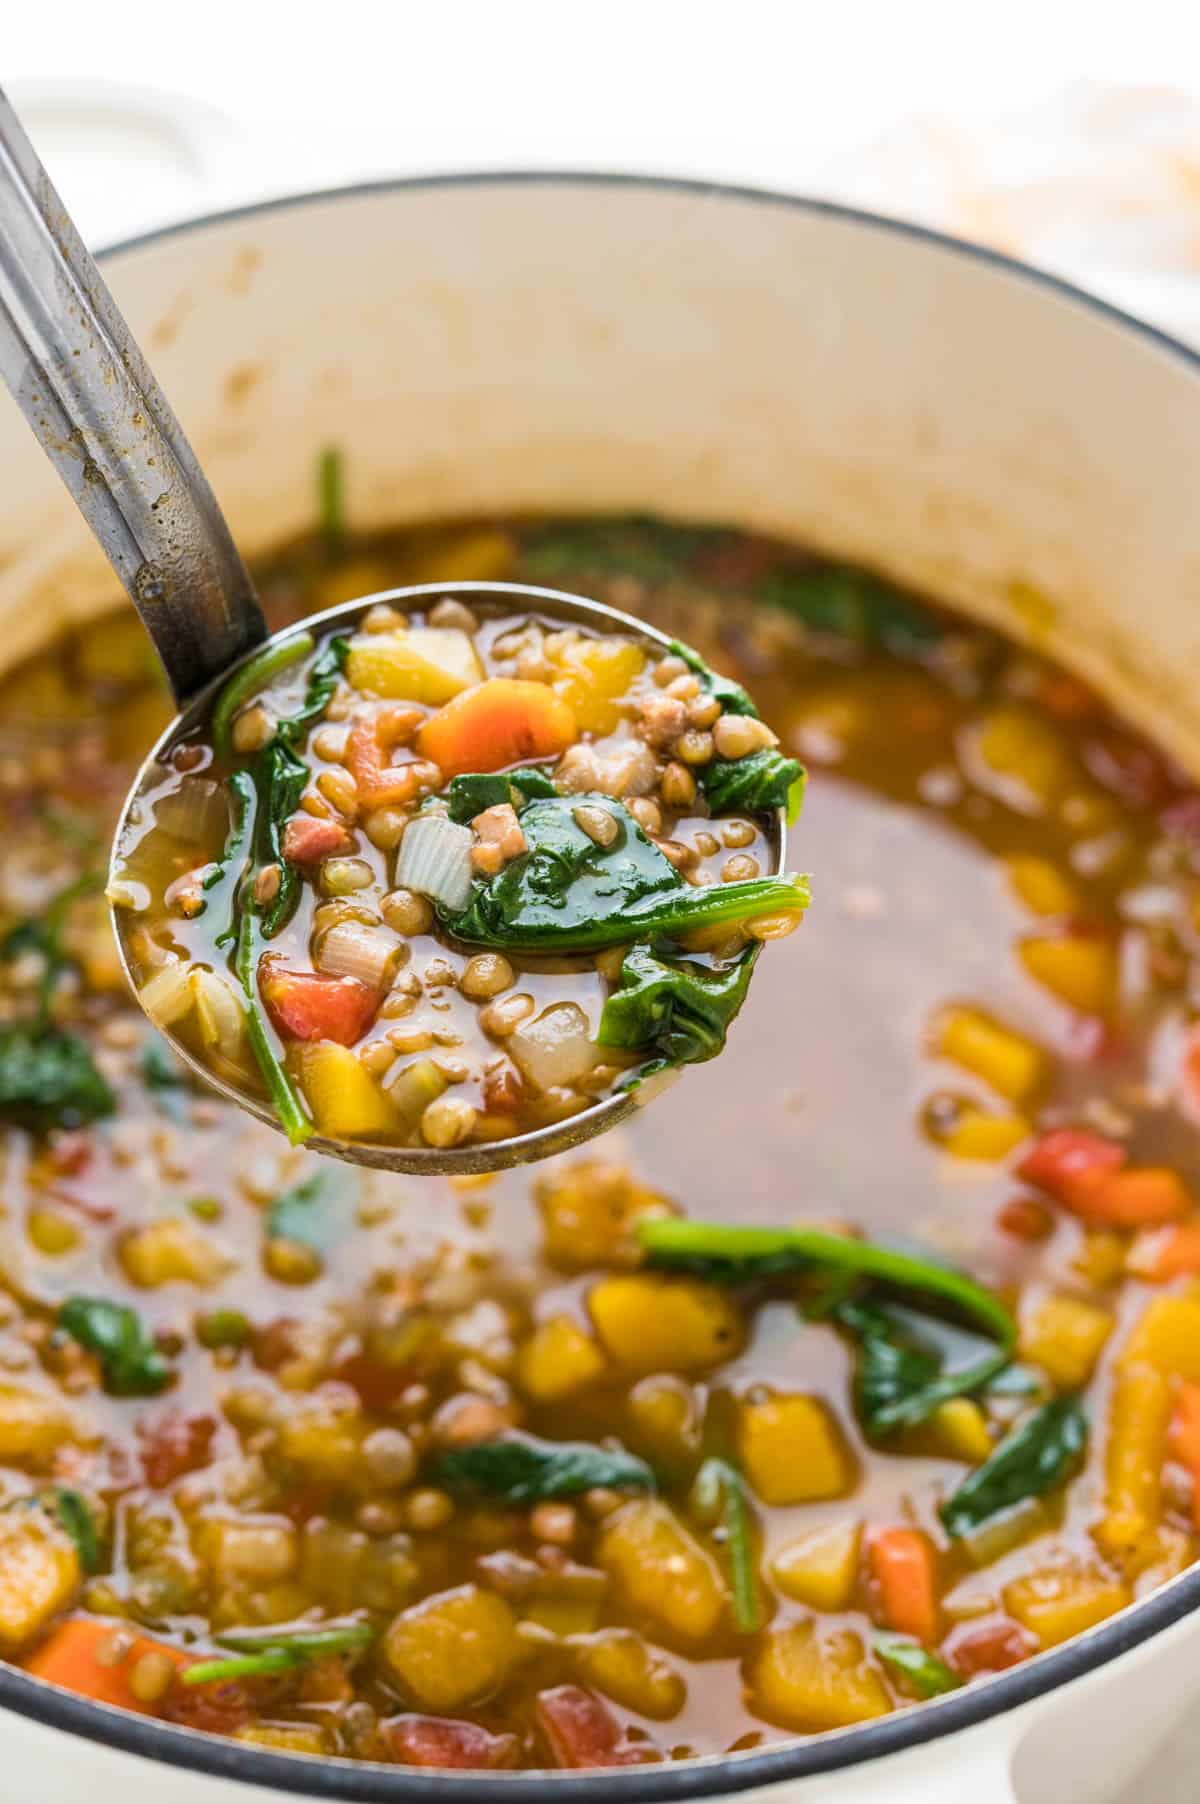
(1012, 1065)
(1167, 1337)
(661, 1570)
(455, 1648)
(559, 1357)
(1065, 1336)
(650, 1323)
(793, 1451)
(39, 1573)
(812, 1679)
(621, 1665)
(345, 1100)
(1041, 886)
(589, 1212)
(175, 1249)
(32, 1424)
(819, 1569)
(958, 1429)
(1081, 971)
(1063, 1600)
(427, 664)
(595, 672)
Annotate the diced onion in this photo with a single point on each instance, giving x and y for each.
(555, 1048)
(197, 812)
(351, 949)
(435, 860)
(167, 996)
(220, 1014)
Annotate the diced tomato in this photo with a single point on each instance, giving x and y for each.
(581, 1731)
(441, 1741)
(1067, 1161)
(173, 1445)
(1025, 1219)
(992, 1645)
(903, 1565)
(220, 1709)
(306, 839)
(314, 1005)
(1185, 1438)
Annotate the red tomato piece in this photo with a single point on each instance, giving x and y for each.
(583, 1732)
(173, 1445)
(313, 1005)
(989, 1646)
(1069, 1161)
(1025, 1219)
(306, 839)
(442, 1741)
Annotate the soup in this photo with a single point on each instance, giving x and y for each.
(458, 874)
(864, 1365)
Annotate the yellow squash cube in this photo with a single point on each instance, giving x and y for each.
(1041, 886)
(453, 1649)
(589, 1213)
(661, 1570)
(793, 1451)
(33, 1424)
(175, 1249)
(1167, 1337)
(984, 1134)
(345, 1100)
(1065, 1336)
(427, 664)
(958, 1429)
(595, 673)
(1013, 1066)
(1063, 1600)
(1139, 1415)
(559, 1357)
(804, 1678)
(649, 1323)
(819, 1569)
(1079, 970)
(39, 1572)
(626, 1669)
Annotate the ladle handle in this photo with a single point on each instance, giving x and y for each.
(84, 387)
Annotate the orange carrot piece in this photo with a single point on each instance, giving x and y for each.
(369, 748)
(1144, 1196)
(1184, 1438)
(904, 1566)
(68, 1658)
(501, 722)
(1163, 1253)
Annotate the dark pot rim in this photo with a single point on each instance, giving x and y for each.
(718, 1775)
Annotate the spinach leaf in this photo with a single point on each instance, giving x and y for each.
(850, 604)
(927, 1673)
(305, 1213)
(469, 795)
(720, 1486)
(237, 842)
(761, 781)
(293, 1116)
(263, 1653)
(520, 1468)
(48, 1078)
(1039, 1454)
(131, 1363)
(568, 894)
(280, 779)
(740, 1254)
(675, 1010)
(248, 681)
(76, 1518)
(628, 545)
(900, 1377)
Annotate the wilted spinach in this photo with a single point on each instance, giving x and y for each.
(48, 1078)
(1039, 1454)
(850, 604)
(902, 1373)
(520, 1468)
(132, 1364)
(761, 781)
(470, 794)
(672, 1009)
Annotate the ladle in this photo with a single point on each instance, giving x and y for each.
(89, 396)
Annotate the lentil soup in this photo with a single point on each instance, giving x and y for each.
(865, 1365)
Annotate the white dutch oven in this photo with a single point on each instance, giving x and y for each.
(542, 343)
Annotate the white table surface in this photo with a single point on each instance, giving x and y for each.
(1053, 128)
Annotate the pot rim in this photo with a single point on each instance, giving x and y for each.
(360, 1782)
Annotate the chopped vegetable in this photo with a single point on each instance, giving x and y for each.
(71, 1657)
(132, 1364)
(792, 1449)
(673, 1011)
(469, 795)
(499, 722)
(519, 1468)
(904, 1567)
(40, 1572)
(416, 664)
(316, 1005)
(435, 861)
(904, 1374)
(820, 1568)
(49, 1079)
(926, 1672)
(1038, 1455)
(719, 1487)
(306, 1213)
(264, 1653)
(812, 1677)
(254, 675)
(850, 604)
(760, 781)
(638, 1546)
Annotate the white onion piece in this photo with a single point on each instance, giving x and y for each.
(167, 996)
(197, 812)
(219, 1012)
(351, 949)
(554, 1048)
(435, 860)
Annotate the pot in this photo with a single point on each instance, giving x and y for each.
(575, 343)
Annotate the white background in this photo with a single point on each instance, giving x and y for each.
(1066, 131)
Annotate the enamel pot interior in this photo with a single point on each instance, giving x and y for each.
(584, 344)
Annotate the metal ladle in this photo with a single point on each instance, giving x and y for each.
(90, 399)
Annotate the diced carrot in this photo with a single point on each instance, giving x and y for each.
(314, 1005)
(1184, 1438)
(306, 840)
(501, 722)
(443, 1741)
(1163, 1253)
(68, 1658)
(904, 1566)
(369, 748)
(581, 1731)
(1090, 1176)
